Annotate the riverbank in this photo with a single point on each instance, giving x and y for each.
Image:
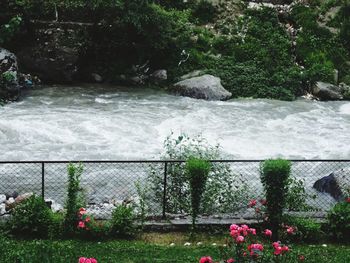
(276, 50)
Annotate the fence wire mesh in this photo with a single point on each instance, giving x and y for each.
(160, 189)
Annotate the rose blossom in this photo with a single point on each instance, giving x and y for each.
(230, 260)
(252, 203)
(81, 224)
(239, 239)
(268, 232)
(206, 260)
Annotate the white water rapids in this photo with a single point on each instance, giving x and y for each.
(104, 122)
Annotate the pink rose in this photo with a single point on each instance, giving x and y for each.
(206, 260)
(278, 251)
(233, 227)
(290, 230)
(285, 249)
(81, 260)
(244, 227)
(93, 260)
(239, 239)
(234, 233)
(88, 260)
(230, 260)
(275, 244)
(252, 231)
(268, 232)
(252, 203)
(81, 224)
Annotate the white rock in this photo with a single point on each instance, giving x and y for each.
(199, 243)
(172, 244)
(187, 244)
(2, 198)
(2, 209)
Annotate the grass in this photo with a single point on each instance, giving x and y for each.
(148, 248)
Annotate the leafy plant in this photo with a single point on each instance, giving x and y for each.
(8, 31)
(72, 203)
(225, 190)
(307, 229)
(297, 195)
(31, 218)
(197, 171)
(123, 221)
(339, 220)
(274, 175)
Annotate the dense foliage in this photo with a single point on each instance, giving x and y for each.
(31, 218)
(252, 53)
(197, 171)
(274, 177)
(73, 203)
(226, 191)
(339, 221)
(123, 221)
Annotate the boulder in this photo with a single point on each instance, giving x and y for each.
(205, 87)
(159, 76)
(96, 78)
(9, 87)
(195, 73)
(336, 184)
(326, 91)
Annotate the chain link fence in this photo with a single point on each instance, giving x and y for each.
(159, 188)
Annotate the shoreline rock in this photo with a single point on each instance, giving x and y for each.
(205, 87)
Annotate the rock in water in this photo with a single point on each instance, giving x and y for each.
(205, 87)
(327, 91)
(336, 184)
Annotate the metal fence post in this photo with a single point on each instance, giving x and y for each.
(43, 180)
(164, 188)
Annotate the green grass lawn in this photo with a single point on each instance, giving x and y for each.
(143, 250)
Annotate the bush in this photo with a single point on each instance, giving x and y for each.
(31, 218)
(72, 203)
(204, 11)
(339, 221)
(297, 195)
(225, 191)
(307, 229)
(8, 31)
(123, 221)
(274, 176)
(197, 171)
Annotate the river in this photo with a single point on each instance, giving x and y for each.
(106, 122)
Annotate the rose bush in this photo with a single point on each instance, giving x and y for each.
(246, 246)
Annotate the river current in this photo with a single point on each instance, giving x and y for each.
(106, 122)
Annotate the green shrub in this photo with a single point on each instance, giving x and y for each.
(339, 221)
(226, 192)
(307, 229)
(72, 202)
(297, 196)
(123, 221)
(8, 31)
(274, 176)
(197, 171)
(204, 11)
(31, 218)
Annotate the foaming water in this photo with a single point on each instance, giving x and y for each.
(105, 122)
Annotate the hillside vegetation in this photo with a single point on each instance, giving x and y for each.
(264, 52)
